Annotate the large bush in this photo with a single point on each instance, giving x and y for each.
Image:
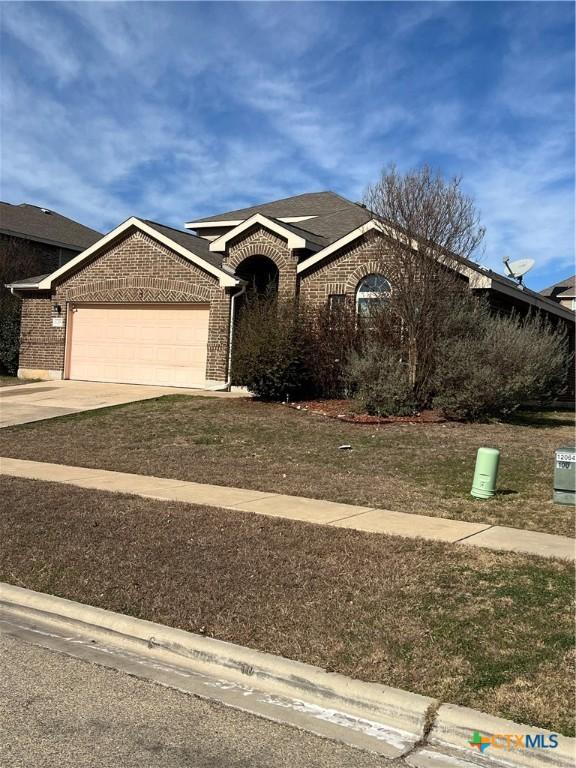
(270, 352)
(379, 379)
(284, 351)
(331, 336)
(496, 363)
(481, 364)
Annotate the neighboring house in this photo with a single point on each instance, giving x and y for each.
(563, 292)
(46, 237)
(151, 304)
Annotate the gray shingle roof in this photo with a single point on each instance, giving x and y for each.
(334, 216)
(306, 233)
(28, 281)
(198, 245)
(308, 204)
(45, 226)
(333, 226)
(565, 289)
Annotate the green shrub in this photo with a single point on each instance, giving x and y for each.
(331, 337)
(270, 352)
(498, 363)
(379, 380)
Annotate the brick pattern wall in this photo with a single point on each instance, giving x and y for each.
(260, 242)
(136, 270)
(41, 346)
(341, 272)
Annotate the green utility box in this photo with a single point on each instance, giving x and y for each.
(485, 473)
(565, 475)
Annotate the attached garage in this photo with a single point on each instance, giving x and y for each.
(138, 343)
(146, 304)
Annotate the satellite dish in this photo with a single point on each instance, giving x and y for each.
(517, 269)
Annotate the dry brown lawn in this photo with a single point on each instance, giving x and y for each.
(424, 468)
(470, 626)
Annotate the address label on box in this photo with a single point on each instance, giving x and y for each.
(565, 457)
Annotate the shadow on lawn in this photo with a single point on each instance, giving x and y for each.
(541, 419)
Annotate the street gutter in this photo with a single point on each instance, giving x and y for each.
(378, 718)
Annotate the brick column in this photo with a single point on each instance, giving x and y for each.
(218, 336)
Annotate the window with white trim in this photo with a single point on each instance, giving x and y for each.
(371, 292)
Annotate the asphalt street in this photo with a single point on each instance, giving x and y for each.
(58, 711)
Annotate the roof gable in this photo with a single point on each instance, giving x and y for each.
(296, 237)
(190, 248)
(565, 289)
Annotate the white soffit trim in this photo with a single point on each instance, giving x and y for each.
(235, 222)
(294, 219)
(226, 280)
(356, 233)
(20, 285)
(350, 237)
(294, 240)
(221, 223)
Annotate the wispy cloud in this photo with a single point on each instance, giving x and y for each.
(175, 110)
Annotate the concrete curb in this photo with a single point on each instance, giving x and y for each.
(400, 716)
(453, 728)
(372, 716)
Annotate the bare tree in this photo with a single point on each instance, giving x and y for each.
(430, 228)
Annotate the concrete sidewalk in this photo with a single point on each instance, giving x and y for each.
(298, 508)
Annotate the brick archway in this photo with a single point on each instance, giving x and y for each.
(245, 251)
(369, 268)
(264, 243)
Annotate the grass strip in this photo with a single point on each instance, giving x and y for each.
(469, 626)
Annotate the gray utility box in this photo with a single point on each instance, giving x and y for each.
(565, 475)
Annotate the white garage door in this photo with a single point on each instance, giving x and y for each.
(139, 344)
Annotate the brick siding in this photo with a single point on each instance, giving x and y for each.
(341, 272)
(140, 270)
(260, 242)
(41, 346)
(135, 270)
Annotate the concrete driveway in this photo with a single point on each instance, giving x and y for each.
(46, 399)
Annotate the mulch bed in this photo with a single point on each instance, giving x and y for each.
(344, 411)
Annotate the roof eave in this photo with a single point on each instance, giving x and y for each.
(43, 240)
(22, 286)
(294, 241)
(235, 222)
(322, 253)
(225, 279)
(494, 281)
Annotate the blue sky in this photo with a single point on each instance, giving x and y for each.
(171, 111)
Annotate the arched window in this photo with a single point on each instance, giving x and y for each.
(371, 292)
